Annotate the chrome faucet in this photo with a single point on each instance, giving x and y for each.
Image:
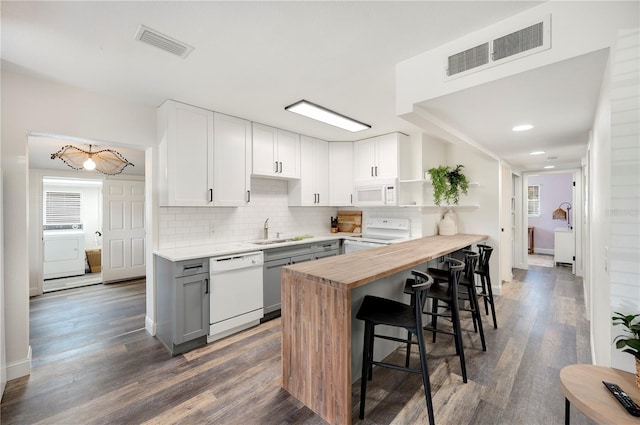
(265, 233)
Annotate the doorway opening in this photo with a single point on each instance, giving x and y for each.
(550, 217)
(86, 227)
(72, 233)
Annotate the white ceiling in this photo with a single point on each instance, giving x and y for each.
(251, 59)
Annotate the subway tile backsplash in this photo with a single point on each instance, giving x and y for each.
(192, 226)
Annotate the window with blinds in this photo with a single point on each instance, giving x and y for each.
(533, 200)
(62, 207)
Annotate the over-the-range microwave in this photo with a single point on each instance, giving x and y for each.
(376, 193)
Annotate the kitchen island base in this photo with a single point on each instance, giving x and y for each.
(319, 333)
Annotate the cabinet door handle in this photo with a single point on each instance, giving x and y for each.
(276, 170)
(207, 283)
(351, 196)
(318, 198)
(248, 196)
(376, 170)
(281, 167)
(371, 171)
(210, 195)
(197, 266)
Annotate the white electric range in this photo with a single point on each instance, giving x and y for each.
(379, 232)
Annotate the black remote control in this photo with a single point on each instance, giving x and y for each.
(623, 398)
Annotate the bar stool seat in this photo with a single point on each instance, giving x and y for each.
(375, 311)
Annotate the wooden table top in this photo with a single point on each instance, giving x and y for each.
(582, 385)
(359, 268)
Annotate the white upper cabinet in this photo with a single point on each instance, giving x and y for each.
(186, 152)
(202, 157)
(313, 187)
(341, 174)
(377, 157)
(231, 161)
(276, 152)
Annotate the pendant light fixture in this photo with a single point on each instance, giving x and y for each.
(106, 161)
(327, 116)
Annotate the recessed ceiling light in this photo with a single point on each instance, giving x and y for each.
(549, 166)
(523, 127)
(537, 153)
(326, 116)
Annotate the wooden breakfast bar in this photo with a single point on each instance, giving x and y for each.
(321, 339)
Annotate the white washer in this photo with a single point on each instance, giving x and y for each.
(63, 253)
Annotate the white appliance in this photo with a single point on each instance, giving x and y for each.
(235, 293)
(62, 251)
(381, 192)
(379, 232)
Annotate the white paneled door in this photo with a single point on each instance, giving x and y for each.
(123, 250)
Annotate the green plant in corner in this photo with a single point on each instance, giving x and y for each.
(439, 182)
(448, 183)
(457, 183)
(631, 338)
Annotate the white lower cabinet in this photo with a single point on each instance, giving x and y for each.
(312, 189)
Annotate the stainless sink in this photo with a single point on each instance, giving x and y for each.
(270, 241)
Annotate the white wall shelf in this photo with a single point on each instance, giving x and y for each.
(428, 182)
(414, 193)
(471, 206)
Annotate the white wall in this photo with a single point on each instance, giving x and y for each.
(486, 218)
(577, 28)
(31, 104)
(624, 212)
(599, 183)
(192, 226)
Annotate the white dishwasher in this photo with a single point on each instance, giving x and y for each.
(236, 301)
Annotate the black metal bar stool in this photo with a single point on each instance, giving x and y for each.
(376, 311)
(486, 292)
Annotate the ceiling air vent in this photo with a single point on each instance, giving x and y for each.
(518, 42)
(469, 59)
(164, 42)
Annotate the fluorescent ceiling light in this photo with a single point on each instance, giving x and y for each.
(326, 116)
(549, 166)
(523, 127)
(537, 153)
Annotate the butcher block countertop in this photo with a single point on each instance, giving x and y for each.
(359, 268)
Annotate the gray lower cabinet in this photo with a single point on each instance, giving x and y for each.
(183, 303)
(326, 249)
(276, 258)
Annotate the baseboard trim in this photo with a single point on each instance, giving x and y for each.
(150, 326)
(544, 251)
(19, 368)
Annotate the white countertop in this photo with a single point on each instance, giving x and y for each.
(226, 248)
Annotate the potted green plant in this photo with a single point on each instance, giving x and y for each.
(629, 342)
(457, 183)
(448, 183)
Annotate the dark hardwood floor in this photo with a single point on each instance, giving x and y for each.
(93, 363)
